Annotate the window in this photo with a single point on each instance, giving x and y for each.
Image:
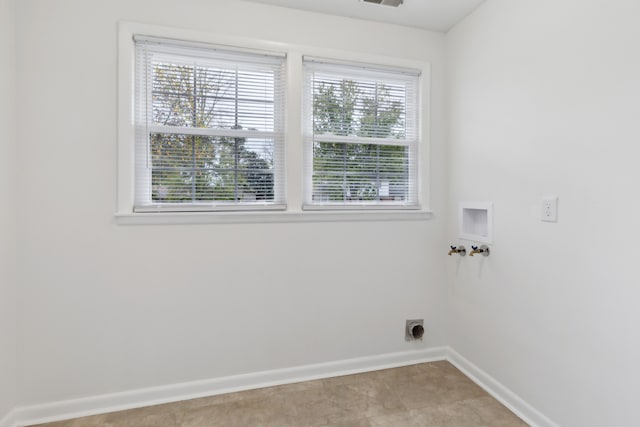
(361, 136)
(216, 128)
(209, 128)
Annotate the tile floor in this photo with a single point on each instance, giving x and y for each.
(430, 394)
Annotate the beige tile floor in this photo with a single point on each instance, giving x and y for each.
(430, 394)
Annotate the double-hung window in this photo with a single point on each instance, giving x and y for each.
(361, 136)
(202, 124)
(209, 128)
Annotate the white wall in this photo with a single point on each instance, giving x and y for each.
(8, 294)
(545, 99)
(111, 307)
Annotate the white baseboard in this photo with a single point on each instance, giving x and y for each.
(56, 411)
(9, 420)
(518, 406)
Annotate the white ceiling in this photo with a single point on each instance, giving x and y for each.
(436, 15)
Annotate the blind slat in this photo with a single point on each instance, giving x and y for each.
(209, 127)
(361, 135)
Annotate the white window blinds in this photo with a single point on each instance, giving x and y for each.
(361, 136)
(209, 128)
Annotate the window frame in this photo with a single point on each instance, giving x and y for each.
(293, 145)
(367, 73)
(151, 49)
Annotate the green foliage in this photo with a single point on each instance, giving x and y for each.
(334, 108)
(357, 171)
(192, 168)
(381, 116)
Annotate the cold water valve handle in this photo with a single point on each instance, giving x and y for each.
(484, 250)
(460, 250)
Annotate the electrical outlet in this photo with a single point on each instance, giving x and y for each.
(549, 211)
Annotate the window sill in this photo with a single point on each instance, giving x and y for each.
(266, 217)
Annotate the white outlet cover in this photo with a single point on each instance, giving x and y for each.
(549, 209)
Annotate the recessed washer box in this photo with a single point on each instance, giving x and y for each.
(476, 221)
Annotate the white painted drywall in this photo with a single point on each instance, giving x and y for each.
(111, 308)
(545, 99)
(8, 292)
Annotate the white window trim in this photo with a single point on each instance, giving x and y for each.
(413, 144)
(264, 217)
(293, 155)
